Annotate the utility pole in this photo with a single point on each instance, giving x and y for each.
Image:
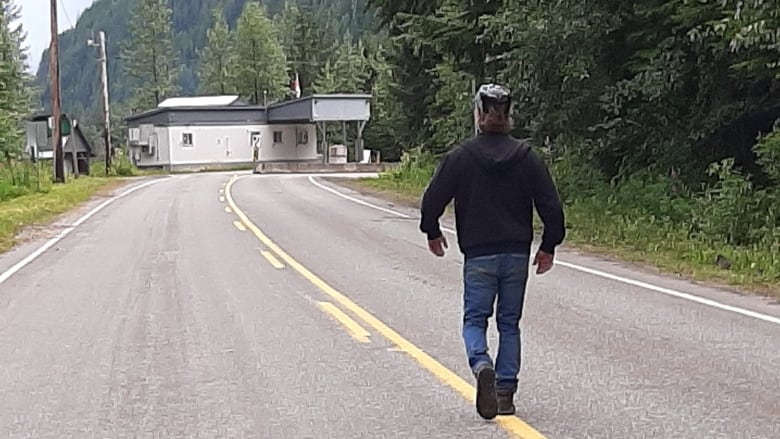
(104, 87)
(54, 76)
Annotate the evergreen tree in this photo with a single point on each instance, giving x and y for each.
(15, 93)
(348, 72)
(382, 133)
(150, 60)
(309, 40)
(216, 58)
(450, 113)
(260, 63)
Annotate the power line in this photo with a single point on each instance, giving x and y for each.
(65, 10)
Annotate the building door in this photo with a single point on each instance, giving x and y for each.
(256, 140)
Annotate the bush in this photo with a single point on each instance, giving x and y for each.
(120, 167)
(412, 174)
(733, 211)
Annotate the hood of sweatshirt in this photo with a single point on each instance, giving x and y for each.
(496, 152)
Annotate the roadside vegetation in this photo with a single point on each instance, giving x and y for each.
(28, 196)
(42, 201)
(720, 234)
(659, 119)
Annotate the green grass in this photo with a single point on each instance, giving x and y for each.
(42, 207)
(17, 179)
(595, 224)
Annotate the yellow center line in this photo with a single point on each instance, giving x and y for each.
(221, 199)
(239, 225)
(512, 424)
(227, 209)
(272, 260)
(355, 330)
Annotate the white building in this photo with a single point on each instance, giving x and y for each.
(221, 130)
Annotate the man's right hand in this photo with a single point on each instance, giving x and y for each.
(543, 261)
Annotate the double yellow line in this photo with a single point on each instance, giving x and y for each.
(512, 424)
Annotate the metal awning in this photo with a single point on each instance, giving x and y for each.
(322, 108)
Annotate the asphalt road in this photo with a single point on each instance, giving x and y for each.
(270, 307)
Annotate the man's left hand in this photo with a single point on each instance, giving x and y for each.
(437, 246)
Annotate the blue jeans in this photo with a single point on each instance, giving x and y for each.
(484, 278)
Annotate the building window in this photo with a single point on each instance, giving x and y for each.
(186, 140)
(277, 137)
(303, 137)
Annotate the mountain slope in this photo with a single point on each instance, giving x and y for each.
(79, 69)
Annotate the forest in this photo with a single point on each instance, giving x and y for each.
(658, 118)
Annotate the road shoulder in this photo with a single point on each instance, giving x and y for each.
(32, 236)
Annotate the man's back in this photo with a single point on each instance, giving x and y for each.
(495, 180)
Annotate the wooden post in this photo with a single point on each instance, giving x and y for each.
(54, 77)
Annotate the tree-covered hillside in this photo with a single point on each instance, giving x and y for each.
(190, 20)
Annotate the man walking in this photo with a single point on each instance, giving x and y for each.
(495, 180)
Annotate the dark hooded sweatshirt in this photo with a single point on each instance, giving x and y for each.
(495, 180)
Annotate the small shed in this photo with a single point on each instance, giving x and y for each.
(39, 144)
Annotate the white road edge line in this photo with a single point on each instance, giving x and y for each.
(48, 244)
(636, 283)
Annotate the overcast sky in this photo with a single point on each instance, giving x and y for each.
(35, 19)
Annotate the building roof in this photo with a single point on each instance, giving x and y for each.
(44, 116)
(292, 110)
(199, 101)
(202, 108)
